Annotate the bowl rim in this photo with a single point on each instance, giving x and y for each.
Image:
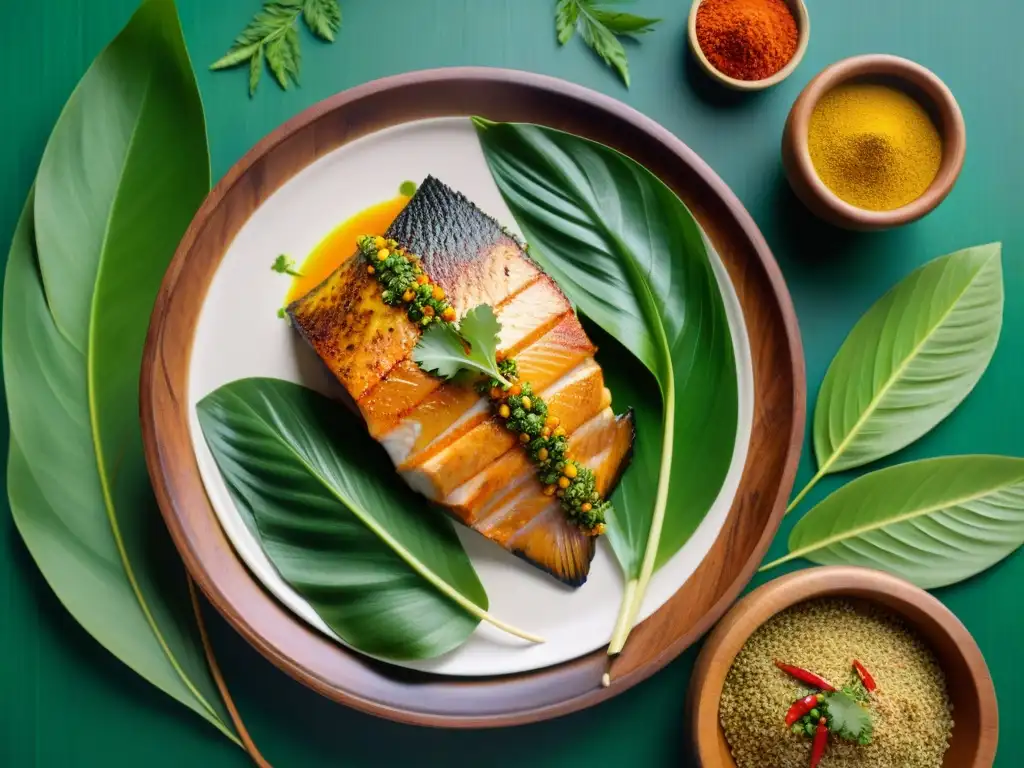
(895, 594)
(952, 128)
(803, 25)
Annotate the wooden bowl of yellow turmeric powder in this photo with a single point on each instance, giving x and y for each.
(874, 142)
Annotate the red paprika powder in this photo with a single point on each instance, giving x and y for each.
(747, 39)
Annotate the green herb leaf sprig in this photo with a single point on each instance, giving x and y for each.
(849, 718)
(273, 36)
(447, 351)
(285, 266)
(600, 29)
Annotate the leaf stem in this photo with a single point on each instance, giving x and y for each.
(813, 482)
(426, 573)
(457, 597)
(634, 598)
(780, 561)
(106, 477)
(622, 622)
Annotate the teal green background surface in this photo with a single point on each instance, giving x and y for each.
(66, 702)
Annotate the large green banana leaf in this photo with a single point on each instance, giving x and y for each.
(909, 361)
(124, 170)
(381, 568)
(632, 258)
(933, 522)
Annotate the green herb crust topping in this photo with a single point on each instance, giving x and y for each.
(404, 281)
(525, 414)
(450, 348)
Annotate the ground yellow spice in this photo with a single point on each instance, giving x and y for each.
(912, 714)
(875, 146)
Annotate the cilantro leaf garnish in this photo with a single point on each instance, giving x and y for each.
(849, 719)
(445, 351)
(285, 266)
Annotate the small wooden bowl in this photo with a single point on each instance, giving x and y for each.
(920, 83)
(803, 25)
(976, 729)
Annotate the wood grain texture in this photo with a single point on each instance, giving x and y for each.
(976, 729)
(918, 82)
(421, 698)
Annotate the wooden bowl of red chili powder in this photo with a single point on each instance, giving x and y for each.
(749, 45)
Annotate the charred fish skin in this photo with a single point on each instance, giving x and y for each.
(575, 579)
(446, 230)
(367, 345)
(464, 250)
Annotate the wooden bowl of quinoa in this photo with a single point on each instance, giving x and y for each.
(935, 705)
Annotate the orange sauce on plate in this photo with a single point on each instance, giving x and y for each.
(340, 245)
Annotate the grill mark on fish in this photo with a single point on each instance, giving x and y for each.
(486, 443)
(566, 334)
(543, 292)
(582, 443)
(384, 379)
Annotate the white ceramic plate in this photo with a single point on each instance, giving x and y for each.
(240, 335)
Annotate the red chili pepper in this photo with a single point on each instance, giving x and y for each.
(804, 676)
(865, 676)
(801, 707)
(820, 742)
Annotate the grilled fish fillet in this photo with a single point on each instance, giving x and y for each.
(441, 435)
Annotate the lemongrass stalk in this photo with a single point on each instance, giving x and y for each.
(635, 590)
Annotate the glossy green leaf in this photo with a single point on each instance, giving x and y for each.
(631, 257)
(910, 361)
(381, 568)
(933, 522)
(121, 176)
(621, 23)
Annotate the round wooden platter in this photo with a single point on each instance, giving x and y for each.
(402, 694)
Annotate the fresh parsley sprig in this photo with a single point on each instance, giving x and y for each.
(273, 36)
(601, 28)
(446, 351)
(285, 266)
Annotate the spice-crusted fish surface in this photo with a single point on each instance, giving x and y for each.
(442, 435)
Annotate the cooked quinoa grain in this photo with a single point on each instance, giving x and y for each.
(911, 709)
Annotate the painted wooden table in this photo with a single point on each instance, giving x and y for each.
(66, 702)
